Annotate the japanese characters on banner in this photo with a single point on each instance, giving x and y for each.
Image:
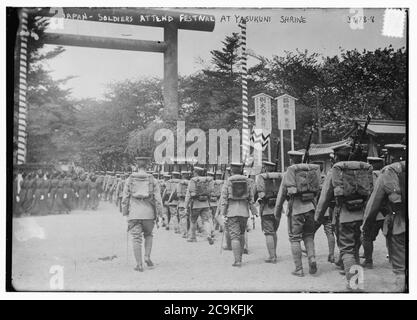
(263, 113)
(263, 125)
(286, 112)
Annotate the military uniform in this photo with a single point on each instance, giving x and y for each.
(93, 192)
(173, 201)
(300, 210)
(179, 194)
(237, 198)
(83, 192)
(267, 186)
(166, 214)
(142, 204)
(199, 204)
(347, 216)
(390, 191)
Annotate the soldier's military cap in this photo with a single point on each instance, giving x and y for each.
(175, 173)
(236, 164)
(294, 153)
(167, 175)
(200, 169)
(268, 163)
(210, 173)
(219, 173)
(185, 172)
(155, 174)
(343, 149)
(374, 159)
(395, 146)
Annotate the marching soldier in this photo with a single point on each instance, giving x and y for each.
(349, 183)
(142, 204)
(166, 215)
(369, 237)
(214, 200)
(300, 184)
(237, 199)
(267, 186)
(390, 191)
(104, 186)
(198, 200)
(82, 192)
(93, 191)
(179, 193)
(173, 201)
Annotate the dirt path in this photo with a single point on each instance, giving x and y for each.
(90, 248)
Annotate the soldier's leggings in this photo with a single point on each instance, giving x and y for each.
(349, 241)
(174, 223)
(328, 228)
(205, 215)
(182, 214)
(396, 246)
(136, 228)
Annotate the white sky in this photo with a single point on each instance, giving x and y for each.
(325, 31)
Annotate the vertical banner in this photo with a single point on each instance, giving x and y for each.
(263, 123)
(244, 75)
(286, 121)
(286, 112)
(23, 61)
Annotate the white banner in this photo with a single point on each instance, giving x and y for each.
(263, 113)
(286, 112)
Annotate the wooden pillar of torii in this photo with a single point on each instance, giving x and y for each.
(171, 21)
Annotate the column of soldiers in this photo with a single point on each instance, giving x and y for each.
(353, 202)
(53, 192)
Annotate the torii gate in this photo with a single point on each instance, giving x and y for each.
(171, 21)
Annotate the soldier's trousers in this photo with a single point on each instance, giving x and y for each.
(165, 215)
(182, 215)
(236, 227)
(349, 241)
(368, 239)
(396, 248)
(329, 232)
(301, 227)
(205, 215)
(139, 228)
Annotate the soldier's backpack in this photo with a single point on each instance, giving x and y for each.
(141, 186)
(182, 188)
(353, 181)
(200, 188)
(303, 180)
(217, 188)
(272, 181)
(238, 188)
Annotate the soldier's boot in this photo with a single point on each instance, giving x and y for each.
(237, 252)
(331, 242)
(296, 254)
(275, 243)
(400, 285)
(368, 249)
(148, 249)
(228, 245)
(137, 251)
(270, 245)
(349, 260)
(193, 228)
(312, 264)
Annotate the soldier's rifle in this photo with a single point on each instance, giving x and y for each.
(306, 158)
